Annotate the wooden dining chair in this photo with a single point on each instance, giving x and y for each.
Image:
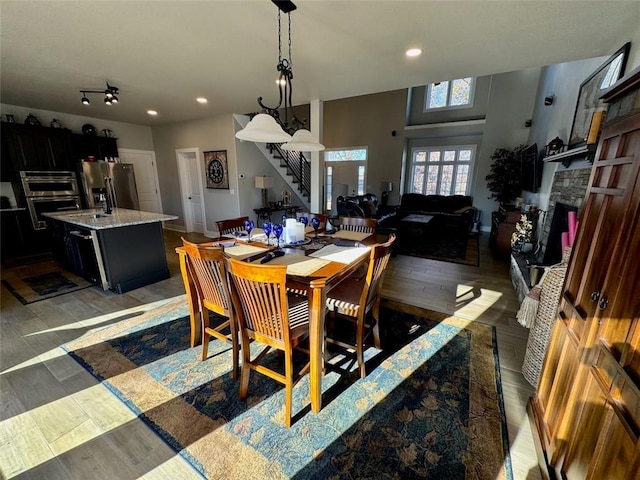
(231, 225)
(320, 216)
(268, 314)
(207, 268)
(353, 300)
(359, 224)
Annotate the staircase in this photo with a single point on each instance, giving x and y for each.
(294, 167)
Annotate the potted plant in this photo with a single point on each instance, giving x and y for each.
(504, 181)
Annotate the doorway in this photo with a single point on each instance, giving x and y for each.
(146, 173)
(191, 192)
(345, 173)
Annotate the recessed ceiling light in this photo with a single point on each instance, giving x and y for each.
(201, 100)
(152, 112)
(413, 52)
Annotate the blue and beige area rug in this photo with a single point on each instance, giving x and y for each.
(430, 407)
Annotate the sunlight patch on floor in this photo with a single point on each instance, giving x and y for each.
(472, 302)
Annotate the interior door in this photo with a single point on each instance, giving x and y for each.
(144, 164)
(191, 188)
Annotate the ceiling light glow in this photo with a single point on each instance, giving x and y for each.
(201, 100)
(152, 112)
(413, 52)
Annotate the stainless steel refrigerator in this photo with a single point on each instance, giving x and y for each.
(123, 193)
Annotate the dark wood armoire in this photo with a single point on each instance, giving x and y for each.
(586, 410)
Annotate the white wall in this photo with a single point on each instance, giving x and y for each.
(208, 134)
(562, 81)
(510, 105)
(129, 135)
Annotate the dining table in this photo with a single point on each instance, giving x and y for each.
(309, 271)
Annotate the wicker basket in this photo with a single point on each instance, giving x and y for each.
(551, 290)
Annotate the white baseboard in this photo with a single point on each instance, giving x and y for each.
(174, 228)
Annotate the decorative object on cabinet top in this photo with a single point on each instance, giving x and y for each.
(32, 120)
(88, 129)
(55, 123)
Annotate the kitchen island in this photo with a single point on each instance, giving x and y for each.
(121, 251)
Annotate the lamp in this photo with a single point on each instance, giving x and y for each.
(261, 128)
(264, 183)
(110, 95)
(303, 141)
(386, 188)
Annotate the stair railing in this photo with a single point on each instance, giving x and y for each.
(297, 166)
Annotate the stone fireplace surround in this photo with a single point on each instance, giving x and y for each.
(568, 187)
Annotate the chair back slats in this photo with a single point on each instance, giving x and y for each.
(231, 225)
(261, 298)
(359, 224)
(378, 261)
(206, 264)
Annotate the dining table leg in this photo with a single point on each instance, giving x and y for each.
(192, 296)
(317, 308)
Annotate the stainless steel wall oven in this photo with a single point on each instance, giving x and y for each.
(49, 192)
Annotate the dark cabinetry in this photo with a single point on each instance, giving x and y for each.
(85, 146)
(73, 247)
(18, 239)
(36, 148)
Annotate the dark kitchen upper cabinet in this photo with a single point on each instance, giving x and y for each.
(96, 146)
(36, 148)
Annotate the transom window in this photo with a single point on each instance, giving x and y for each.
(450, 94)
(442, 170)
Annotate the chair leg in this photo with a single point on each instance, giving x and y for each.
(375, 313)
(244, 373)
(360, 345)
(235, 345)
(204, 316)
(288, 371)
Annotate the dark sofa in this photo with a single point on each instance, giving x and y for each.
(452, 215)
(364, 206)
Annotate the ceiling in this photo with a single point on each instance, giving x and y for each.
(163, 54)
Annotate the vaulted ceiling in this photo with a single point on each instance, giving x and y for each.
(164, 54)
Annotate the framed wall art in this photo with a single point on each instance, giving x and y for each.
(216, 169)
(591, 89)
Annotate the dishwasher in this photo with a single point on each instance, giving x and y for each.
(82, 255)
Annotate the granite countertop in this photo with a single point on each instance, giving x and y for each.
(96, 219)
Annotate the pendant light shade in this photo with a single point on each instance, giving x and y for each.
(263, 128)
(303, 141)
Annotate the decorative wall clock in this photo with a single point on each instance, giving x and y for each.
(216, 170)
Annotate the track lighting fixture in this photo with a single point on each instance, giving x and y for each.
(109, 93)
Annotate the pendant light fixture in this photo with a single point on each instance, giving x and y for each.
(269, 127)
(110, 95)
